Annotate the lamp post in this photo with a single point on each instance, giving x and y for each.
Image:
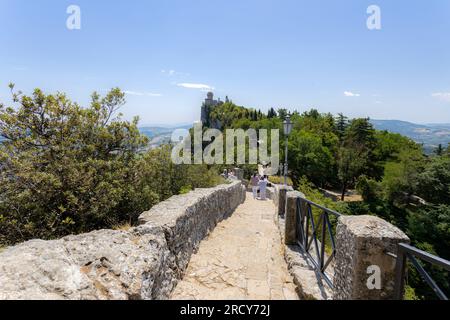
(287, 131)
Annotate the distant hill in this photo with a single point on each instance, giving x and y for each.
(157, 135)
(160, 135)
(430, 135)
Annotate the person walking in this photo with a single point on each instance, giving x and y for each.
(225, 174)
(255, 185)
(262, 188)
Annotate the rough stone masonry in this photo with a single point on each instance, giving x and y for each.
(145, 262)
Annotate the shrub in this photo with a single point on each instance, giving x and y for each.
(280, 180)
(65, 169)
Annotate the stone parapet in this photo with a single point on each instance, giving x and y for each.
(363, 268)
(145, 262)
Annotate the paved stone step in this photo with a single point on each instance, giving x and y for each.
(241, 259)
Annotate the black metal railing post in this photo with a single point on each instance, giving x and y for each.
(310, 229)
(409, 253)
(323, 242)
(400, 273)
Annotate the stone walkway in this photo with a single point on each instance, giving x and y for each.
(242, 259)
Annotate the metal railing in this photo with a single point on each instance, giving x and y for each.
(408, 253)
(314, 229)
(316, 234)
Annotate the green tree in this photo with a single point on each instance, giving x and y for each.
(351, 162)
(391, 145)
(429, 229)
(341, 125)
(272, 113)
(65, 168)
(439, 150)
(434, 182)
(282, 113)
(310, 158)
(356, 155)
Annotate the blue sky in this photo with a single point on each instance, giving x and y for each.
(285, 53)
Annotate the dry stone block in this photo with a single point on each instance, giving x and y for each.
(362, 243)
(291, 217)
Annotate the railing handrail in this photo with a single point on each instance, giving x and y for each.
(308, 233)
(407, 252)
(335, 213)
(426, 256)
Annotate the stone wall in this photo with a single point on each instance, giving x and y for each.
(362, 244)
(145, 262)
(274, 191)
(362, 268)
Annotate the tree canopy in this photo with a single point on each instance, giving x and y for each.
(67, 169)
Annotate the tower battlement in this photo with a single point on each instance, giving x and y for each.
(208, 106)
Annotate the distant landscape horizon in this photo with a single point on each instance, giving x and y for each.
(430, 135)
(187, 123)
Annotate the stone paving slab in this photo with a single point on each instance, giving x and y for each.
(242, 259)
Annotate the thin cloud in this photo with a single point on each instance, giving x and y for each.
(20, 68)
(443, 96)
(141, 94)
(172, 73)
(169, 72)
(196, 86)
(351, 94)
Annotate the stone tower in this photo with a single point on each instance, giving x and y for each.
(207, 107)
(209, 101)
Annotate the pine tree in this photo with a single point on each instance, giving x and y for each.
(341, 125)
(272, 113)
(282, 113)
(439, 151)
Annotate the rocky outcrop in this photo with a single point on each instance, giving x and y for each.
(145, 262)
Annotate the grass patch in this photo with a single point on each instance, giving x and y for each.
(123, 227)
(280, 180)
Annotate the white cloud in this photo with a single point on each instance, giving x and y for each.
(169, 72)
(197, 86)
(172, 73)
(444, 96)
(141, 94)
(351, 94)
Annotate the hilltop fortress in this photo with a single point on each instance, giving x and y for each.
(207, 107)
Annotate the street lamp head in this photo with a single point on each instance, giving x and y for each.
(288, 126)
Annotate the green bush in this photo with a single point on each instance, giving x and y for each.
(316, 196)
(280, 180)
(65, 169)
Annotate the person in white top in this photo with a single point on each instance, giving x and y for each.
(255, 185)
(262, 188)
